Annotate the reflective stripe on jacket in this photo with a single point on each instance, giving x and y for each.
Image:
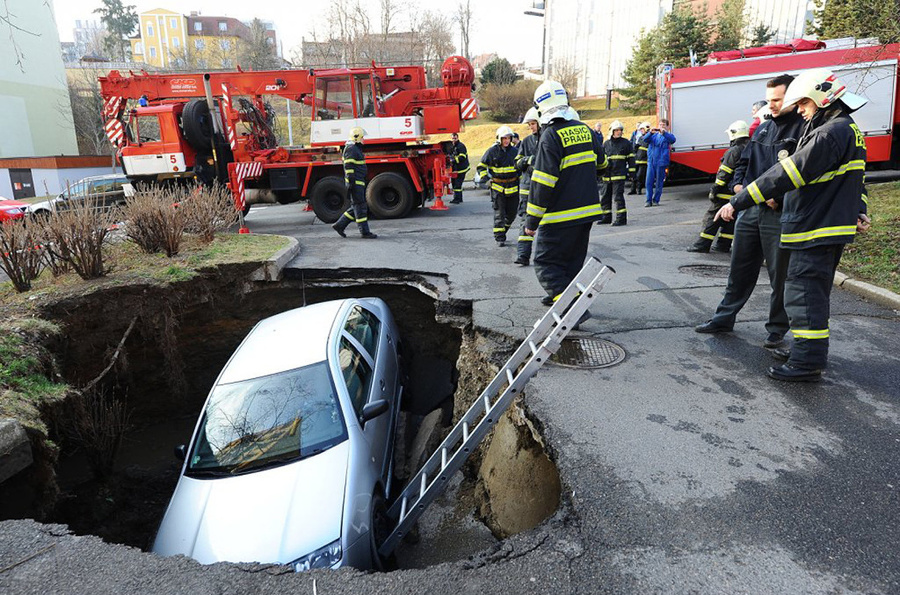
(775, 139)
(722, 184)
(355, 169)
(564, 181)
(501, 162)
(822, 183)
(459, 156)
(620, 153)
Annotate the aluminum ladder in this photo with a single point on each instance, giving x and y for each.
(542, 342)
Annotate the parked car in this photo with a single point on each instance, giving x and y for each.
(11, 209)
(292, 457)
(106, 192)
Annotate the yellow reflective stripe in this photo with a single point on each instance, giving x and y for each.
(618, 157)
(823, 232)
(707, 236)
(511, 190)
(612, 178)
(725, 196)
(534, 210)
(720, 182)
(503, 170)
(497, 187)
(726, 169)
(577, 159)
(572, 214)
(544, 178)
(865, 199)
(621, 211)
(604, 164)
(499, 229)
(526, 239)
(355, 161)
(793, 173)
(363, 220)
(524, 191)
(461, 155)
(727, 236)
(810, 333)
(640, 161)
(854, 165)
(349, 215)
(604, 211)
(360, 182)
(755, 194)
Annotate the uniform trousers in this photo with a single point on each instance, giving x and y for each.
(525, 242)
(559, 254)
(358, 211)
(504, 200)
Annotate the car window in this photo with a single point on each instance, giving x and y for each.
(76, 189)
(357, 374)
(363, 326)
(102, 186)
(268, 421)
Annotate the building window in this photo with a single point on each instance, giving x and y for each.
(139, 48)
(198, 26)
(152, 52)
(176, 42)
(225, 44)
(223, 26)
(173, 23)
(149, 29)
(198, 44)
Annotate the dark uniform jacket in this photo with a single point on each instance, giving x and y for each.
(773, 140)
(525, 161)
(823, 182)
(355, 169)
(459, 155)
(640, 153)
(564, 181)
(620, 153)
(721, 187)
(501, 162)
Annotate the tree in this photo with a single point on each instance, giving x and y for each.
(684, 30)
(464, 20)
(498, 72)
(640, 73)
(258, 52)
(120, 21)
(761, 35)
(87, 113)
(566, 74)
(433, 34)
(858, 18)
(729, 28)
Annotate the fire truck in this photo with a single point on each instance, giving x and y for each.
(219, 127)
(701, 101)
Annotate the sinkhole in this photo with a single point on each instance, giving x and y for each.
(118, 488)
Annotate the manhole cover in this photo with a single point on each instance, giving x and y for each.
(716, 271)
(588, 353)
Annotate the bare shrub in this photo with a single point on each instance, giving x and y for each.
(77, 234)
(20, 254)
(508, 103)
(155, 222)
(209, 210)
(97, 423)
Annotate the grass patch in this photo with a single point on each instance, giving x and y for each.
(874, 256)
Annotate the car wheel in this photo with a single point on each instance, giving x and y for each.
(329, 198)
(379, 531)
(390, 196)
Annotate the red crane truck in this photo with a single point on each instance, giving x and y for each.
(218, 126)
(701, 101)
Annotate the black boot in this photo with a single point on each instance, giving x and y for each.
(702, 245)
(722, 246)
(365, 232)
(604, 220)
(620, 220)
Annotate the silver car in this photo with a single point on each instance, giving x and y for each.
(292, 456)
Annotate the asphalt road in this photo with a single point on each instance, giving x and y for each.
(685, 469)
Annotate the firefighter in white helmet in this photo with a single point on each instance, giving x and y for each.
(525, 165)
(739, 135)
(824, 205)
(640, 158)
(355, 178)
(620, 153)
(500, 163)
(563, 202)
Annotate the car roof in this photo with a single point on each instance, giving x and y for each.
(104, 177)
(286, 341)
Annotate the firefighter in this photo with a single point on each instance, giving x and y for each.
(757, 233)
(563, 201)
(620, 154)
(525, 165)
(515, 140)
(355, 179)
(500, 163)
(640, 158)
(820, 188)
(739, 135)
(460, 157)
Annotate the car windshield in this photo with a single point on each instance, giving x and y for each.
(267, 421)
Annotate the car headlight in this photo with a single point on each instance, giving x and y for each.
(324, 557)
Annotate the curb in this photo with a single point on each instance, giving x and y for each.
(271, 269)
(879, 295)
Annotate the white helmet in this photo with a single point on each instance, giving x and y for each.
(504, 131)
(738, 129)
(356, 135)
(550, 99)
(617, 125)
(531, 116)
(823, 87)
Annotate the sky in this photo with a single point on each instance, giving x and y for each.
(498, 25)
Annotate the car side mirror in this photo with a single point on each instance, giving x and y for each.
(181, 452)
(373, 410)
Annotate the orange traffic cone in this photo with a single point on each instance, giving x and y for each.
(308, 207)
(243, 225)
(439, 205)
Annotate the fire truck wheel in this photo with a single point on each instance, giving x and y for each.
(390, 196)
(329, 198)
(197, 124)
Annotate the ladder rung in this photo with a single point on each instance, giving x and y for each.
(509, 376)
(581, 287)
(443, 458)
(487, 404)
(557, 318)
(423, 484)
(403, 507)
(533, 347)
(465, 431)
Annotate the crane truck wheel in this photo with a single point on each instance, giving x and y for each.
(390, 196)
(197, 124)
(329, 198)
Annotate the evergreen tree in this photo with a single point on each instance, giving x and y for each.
(498, 72)
(120, 22)
(762, 35)
(729, 26)
(857, 18)
(684, 30)
(640, 73)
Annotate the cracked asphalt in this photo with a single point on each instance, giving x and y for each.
(684, 469)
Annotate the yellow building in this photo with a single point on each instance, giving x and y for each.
(170, 40)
